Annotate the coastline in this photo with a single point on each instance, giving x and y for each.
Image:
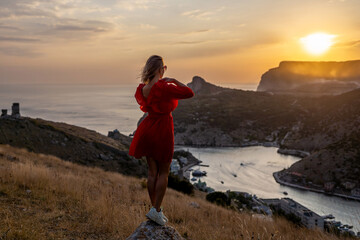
(281, 182)
(292, 152)
(284, 151)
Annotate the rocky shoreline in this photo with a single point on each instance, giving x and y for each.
(277, 177)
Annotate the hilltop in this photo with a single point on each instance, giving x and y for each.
(298, 77)
(71, 143)
(44, 197)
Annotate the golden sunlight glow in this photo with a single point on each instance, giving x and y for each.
(317, 43)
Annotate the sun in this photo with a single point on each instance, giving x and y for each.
(317, 43)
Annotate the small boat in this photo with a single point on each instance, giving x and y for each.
(193, 179)
(348, 226)
(204, 165)
(285, 193)
(329, 216)
(198, 173)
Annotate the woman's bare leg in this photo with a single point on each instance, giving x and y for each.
(161, 184)
(153, 172)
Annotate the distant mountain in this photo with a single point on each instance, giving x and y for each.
(297, 124)
(312, 77)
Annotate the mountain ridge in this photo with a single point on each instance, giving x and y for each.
(312, 77)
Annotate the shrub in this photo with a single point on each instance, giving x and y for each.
(219, 198)
(181, 185)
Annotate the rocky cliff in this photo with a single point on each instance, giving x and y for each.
(312, 77)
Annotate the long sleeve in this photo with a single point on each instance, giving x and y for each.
(173, 91)
(140, 99)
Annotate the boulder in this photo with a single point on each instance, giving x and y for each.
(151, 230)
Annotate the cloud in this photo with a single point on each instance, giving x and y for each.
(147, 26)
(190, 42)
(195, 32)
(354, 43)
(78, 28)
(201, 15)
(51, 20)
(131, 5)
(4, 27)
(15, 9)
(74, 29)
(18, 39)
(205, 49)
(198, 14)
(19, 52)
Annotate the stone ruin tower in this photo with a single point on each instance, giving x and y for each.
(15, 111)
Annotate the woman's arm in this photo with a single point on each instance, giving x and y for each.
(179, 83)
(177, 90)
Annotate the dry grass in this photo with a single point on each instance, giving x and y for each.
(69, 201)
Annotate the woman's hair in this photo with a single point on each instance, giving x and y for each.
(153, 64)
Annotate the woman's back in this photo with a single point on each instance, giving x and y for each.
(162, 97)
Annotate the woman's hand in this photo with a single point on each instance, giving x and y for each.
(173, 80)
(166, 79)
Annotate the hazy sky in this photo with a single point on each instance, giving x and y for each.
(108, 41)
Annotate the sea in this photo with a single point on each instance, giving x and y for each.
(105, 108)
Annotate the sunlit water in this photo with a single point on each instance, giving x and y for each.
(98, 107)
(255, 176)
(108, 107)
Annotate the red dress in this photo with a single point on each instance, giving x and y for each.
(154, 137)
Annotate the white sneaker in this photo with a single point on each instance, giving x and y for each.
(155, 216)
(163, 216)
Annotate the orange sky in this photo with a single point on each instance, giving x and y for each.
(108, 41)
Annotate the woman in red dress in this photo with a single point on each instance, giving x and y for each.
(154, 137)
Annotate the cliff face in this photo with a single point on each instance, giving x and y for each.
(312, 77)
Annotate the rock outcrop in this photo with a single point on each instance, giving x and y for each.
(200, 86)
(312, 77)
(150, 230)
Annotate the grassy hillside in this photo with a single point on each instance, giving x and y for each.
(71, 143)
(44, 197)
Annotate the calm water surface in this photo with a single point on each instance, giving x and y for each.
(255, 176)
(98, 107)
